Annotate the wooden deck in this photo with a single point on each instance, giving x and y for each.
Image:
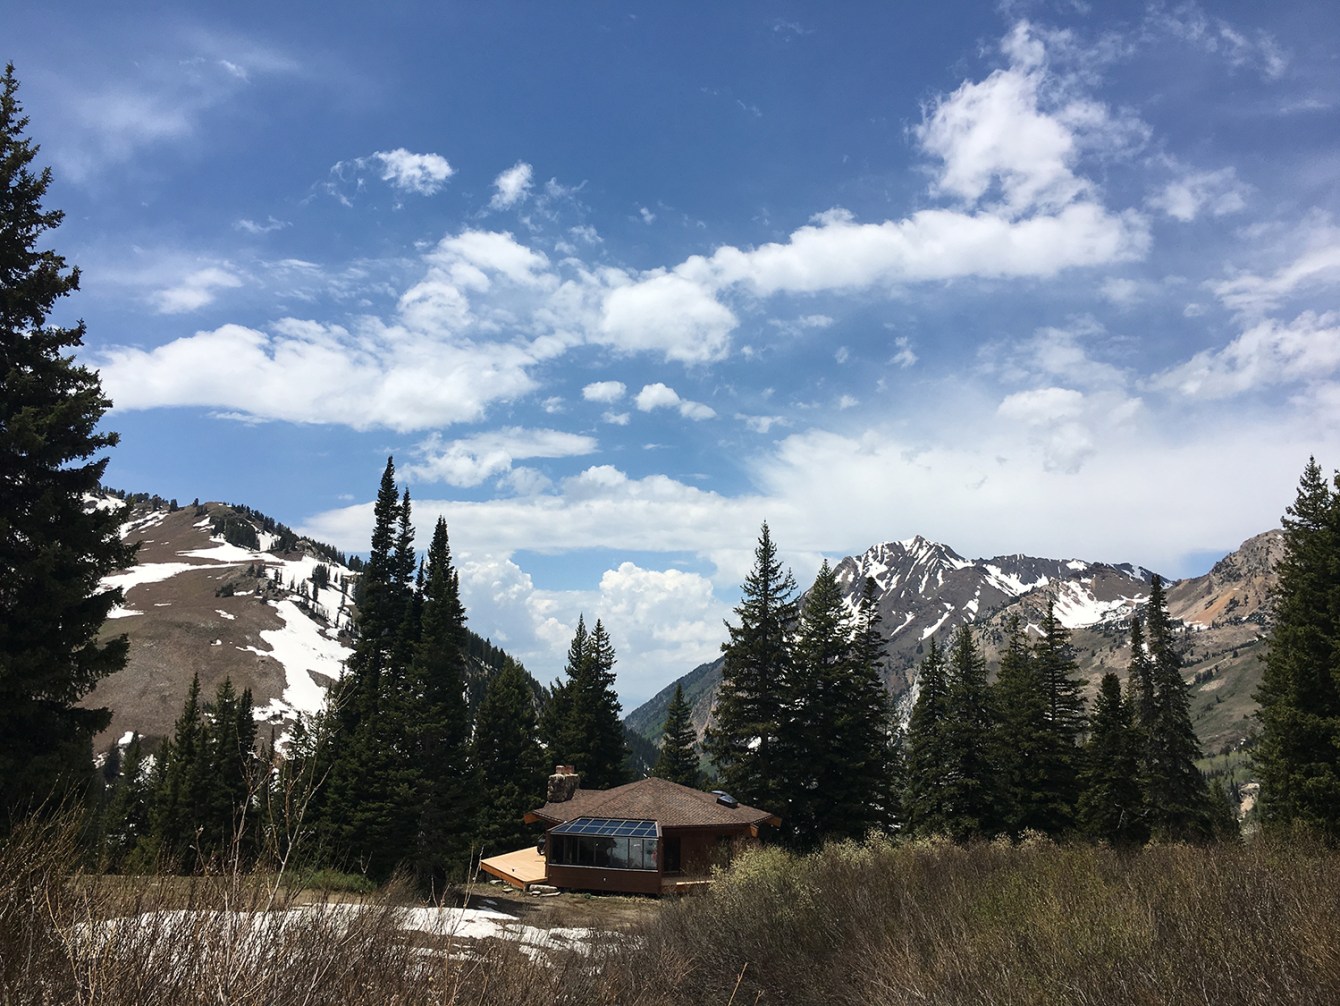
(520, 869)
(680, 884)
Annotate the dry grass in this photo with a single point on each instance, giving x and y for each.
(877, 924)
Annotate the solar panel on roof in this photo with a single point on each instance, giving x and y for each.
(607, 826)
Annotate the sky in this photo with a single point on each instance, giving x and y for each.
(616, 283)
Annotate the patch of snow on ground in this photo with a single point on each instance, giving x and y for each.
(927, 633)
(249, 929)
(118, 611)
(93, 502)
(906, 622)
(301, 648)
(225, 614)
(1076, 608)
(149, 572)
(1012, 584)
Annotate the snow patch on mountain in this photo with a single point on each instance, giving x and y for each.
(308, 654)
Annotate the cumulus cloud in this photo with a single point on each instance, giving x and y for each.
(1015, 138)
(195, 290)
(667, 313)
(604, 391)
(303, 371)
(469, 461)
(511, 186)
(660, 396)
(421, 174)
(406, 172)
(661, 621)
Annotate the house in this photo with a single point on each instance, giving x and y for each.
(648, 837)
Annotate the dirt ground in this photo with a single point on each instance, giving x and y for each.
(566, 909)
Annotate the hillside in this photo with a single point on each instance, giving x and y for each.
(924, 588)
(223, 591)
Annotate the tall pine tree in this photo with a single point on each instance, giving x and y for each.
(678, 761)
(1060, 752)
(54, 550)
(1298, 754)
(1176, 797)
(1110, 804)
(925, 804)
(969, 786)
(742, 740)
(511, 762)
(581, 721)
(448, 784)
(1020, 736)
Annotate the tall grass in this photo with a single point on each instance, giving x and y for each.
(1032, 923)
(877, 923)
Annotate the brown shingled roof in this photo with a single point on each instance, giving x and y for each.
(673, 805)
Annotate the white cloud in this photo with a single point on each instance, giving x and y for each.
(252, 227)
(669, 314)
(905, 356)
(648, 217)
(1218, 193)
(836, 253)
(471, 460)
(195, 290)
(1269, 353)
(616, 418)
(1256, 49)
(511, 186)
(1120, 291)
(302, 371)
(661, 622)
(604, 391)
(847, 402)
(421, 174)
(659, 396)
(1318, 265)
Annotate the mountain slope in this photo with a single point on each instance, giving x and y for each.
(195, 604)
(223, 591)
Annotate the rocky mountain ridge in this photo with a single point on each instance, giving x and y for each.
(925, 588)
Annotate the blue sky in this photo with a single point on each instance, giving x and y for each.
(616, 283)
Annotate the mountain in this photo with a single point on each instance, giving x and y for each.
(925, 588)
(223, 591)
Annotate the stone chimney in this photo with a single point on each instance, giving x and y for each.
(562, 784)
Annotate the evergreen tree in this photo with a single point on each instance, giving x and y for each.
(1020, 736)
(1059, 754)
(969, 786)
(924, 798)
(511, 763)
(180, 786)
(1110, 804)
(601, 750)
(370, 810)
(809, 747)
(742, 739)
(833, 733)
(679, 755)
(448, 784)
(1298, 754)
(53, 551)
(878, 725)
(1176, 797)
(126, 822)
